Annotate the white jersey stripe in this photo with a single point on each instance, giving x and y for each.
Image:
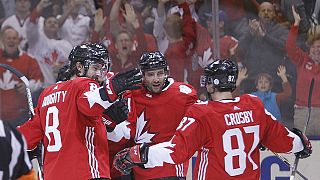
(91, 135)
(16, 148)
(88, 138)
(181, 172)
(200, 165)
(87, 145)
(203, 164)
(93, 163)
(94, 157)
(178, 170)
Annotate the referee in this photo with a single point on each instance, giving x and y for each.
(14, 160)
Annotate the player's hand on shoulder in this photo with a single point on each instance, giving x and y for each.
(307, 148)
(126, 159)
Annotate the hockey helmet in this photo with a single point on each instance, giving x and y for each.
(90, 53)
(153, 60)
(222, 74)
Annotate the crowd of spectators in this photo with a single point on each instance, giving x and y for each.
(272, 41)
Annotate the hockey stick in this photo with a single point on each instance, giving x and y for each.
(285, 160)
(25, 80)
(26, 83)
(296, 161)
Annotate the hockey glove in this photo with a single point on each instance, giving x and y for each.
(262, 147)
(123, 81)
(307, 150)
(33, 154)
(126, 159)
(115, 114)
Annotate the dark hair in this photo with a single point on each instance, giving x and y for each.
(64, 73)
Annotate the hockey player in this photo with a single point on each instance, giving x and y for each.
(156, 111)
(68, 117)
(14, 160)
(226, 131)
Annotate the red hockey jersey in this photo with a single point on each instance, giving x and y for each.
(226, 135)
(68, 120)
(154, 118)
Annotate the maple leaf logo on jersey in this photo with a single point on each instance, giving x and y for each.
(7, 82)
(142, 137)
(93, 96)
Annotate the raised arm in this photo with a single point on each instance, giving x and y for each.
(286, 86)
(114, 17)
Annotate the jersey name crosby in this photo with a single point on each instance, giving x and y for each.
(238, 118)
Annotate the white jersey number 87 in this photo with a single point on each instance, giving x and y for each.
(227, 146)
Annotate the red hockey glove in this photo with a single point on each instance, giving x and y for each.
(121, 82)
(115, 114)
(307, 150)
(126, 159)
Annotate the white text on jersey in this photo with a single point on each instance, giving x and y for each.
(54, 98)
(238, 118)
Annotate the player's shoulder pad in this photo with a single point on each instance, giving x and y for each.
(181, 87)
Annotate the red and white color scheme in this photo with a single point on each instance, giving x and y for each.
(226, 135)
(153, 118)
(11, 101)
(69, 121)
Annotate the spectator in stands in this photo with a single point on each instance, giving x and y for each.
(18, 20)
(205, 48)
(50, 51)
(263, 82)
(8, 7)
(262, 47)
(237, 15)
(301, 10)
(75, 27)
(6, 10)
(176, 38)
(126, 55)
(13, 100)
(308, 68)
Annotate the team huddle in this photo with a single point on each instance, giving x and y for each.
(142, 124)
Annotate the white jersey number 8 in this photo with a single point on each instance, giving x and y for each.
(227, 146)
(53, 129)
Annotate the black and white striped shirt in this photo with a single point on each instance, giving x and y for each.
(14, 160)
